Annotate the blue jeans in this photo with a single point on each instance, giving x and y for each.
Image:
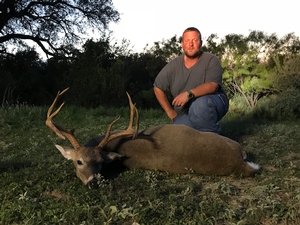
(205, 113)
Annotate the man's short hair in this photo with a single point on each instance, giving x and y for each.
(190, 29)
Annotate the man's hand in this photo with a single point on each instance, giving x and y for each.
(172, 114)
(181, 99)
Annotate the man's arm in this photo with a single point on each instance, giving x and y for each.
(203, 89)
(164, 103)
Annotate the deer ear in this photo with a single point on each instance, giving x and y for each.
(67, 152)
(111, 156)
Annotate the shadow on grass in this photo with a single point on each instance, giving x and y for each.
(235, 128)
(113, 169)
(14, 165)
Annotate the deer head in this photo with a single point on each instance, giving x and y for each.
(88, 160)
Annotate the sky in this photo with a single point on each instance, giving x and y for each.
(144, 22)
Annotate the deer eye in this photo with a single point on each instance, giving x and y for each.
(79, 162)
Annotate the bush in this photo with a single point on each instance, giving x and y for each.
(282, 106)
(238, 106)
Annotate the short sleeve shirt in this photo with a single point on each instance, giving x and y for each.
(176, 78)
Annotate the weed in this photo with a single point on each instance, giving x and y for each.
(38, 186)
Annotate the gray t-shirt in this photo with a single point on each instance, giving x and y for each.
(176, 78)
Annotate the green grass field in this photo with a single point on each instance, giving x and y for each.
(38, 186)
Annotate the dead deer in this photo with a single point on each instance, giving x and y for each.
(169, 147)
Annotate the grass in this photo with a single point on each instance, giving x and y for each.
(38, 186)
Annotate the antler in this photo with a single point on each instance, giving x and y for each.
(60, 131)
(129, 131)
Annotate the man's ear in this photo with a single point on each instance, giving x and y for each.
(67, 152)
(110, 156)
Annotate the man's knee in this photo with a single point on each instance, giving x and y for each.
(209, 105)
(203, 114)
(200, 105)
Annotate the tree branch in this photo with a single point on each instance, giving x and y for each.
(43, 21)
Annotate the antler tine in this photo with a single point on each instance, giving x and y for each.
(57, 129)
(129, 131)
(132, 109)
(50, 116)
(54, 103)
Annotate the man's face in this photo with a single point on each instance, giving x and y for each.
(191, 44)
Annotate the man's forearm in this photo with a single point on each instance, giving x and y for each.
(205, 89)
(164, 103)
(162, 99)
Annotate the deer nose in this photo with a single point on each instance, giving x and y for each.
(93, 184)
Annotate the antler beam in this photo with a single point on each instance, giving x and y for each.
(129, 131)
(60, 131)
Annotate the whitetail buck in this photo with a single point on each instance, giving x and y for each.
(169, 147)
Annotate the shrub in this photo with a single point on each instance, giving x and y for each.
(238, 106)
(283, 106)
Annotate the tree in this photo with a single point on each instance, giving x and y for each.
(52, 24)
(22, 78)
(246, 70)
(167, 49)
(212, 45)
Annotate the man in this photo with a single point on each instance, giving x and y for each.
(195, 82)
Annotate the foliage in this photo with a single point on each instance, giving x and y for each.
(53, 24)
(21, 76)
(245, 71)
(101, 75)
(238, 106)
(167, 49)
(40, 187)
(283, 106)
(288, 72)
(255, 67)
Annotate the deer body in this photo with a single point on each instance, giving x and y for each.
(169, 147)
(180, 149)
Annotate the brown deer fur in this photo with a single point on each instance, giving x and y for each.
(181, 149)
(169, 147)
